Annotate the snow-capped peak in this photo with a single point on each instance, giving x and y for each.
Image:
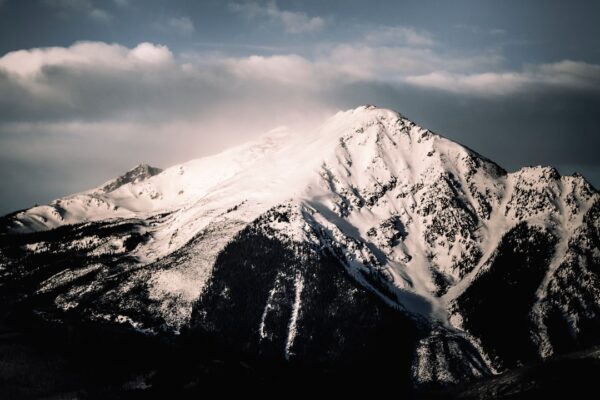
(426, 224)
(433, 208)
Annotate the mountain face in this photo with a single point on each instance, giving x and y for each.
(369, 240)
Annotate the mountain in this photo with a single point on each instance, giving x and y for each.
(368, 241)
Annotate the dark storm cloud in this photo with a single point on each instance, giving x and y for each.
(74, 115)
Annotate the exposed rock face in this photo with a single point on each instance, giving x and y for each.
(135, 175)
(371, 239)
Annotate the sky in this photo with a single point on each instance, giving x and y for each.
(90, 88)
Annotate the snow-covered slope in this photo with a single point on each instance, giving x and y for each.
(422, 223)
(364, 173)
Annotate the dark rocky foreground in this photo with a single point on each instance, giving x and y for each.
(38, 360)
(573, 375)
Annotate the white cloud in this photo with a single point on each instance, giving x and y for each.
(564, 74)
(486, 84)
(148, 53)
(182, 25)
(108, 84)
(394, 63)
(399, 35)
(291, 21)
(95, 80)
(30, 63)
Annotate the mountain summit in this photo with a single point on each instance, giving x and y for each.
(370, 238)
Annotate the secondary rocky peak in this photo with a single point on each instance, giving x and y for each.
(137, 174)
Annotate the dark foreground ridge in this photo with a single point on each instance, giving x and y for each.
(88, 362)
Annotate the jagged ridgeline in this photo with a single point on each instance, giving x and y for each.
(370, 241)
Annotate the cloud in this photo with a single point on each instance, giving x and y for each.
(182, 25)
(478, 30)
(565, 74)
(99, 15)
(70, 8)
(399, 35)
(396, 62)
(96, 81)
(484, 84)
(292, 21)
(86, 80)
(33, 64)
